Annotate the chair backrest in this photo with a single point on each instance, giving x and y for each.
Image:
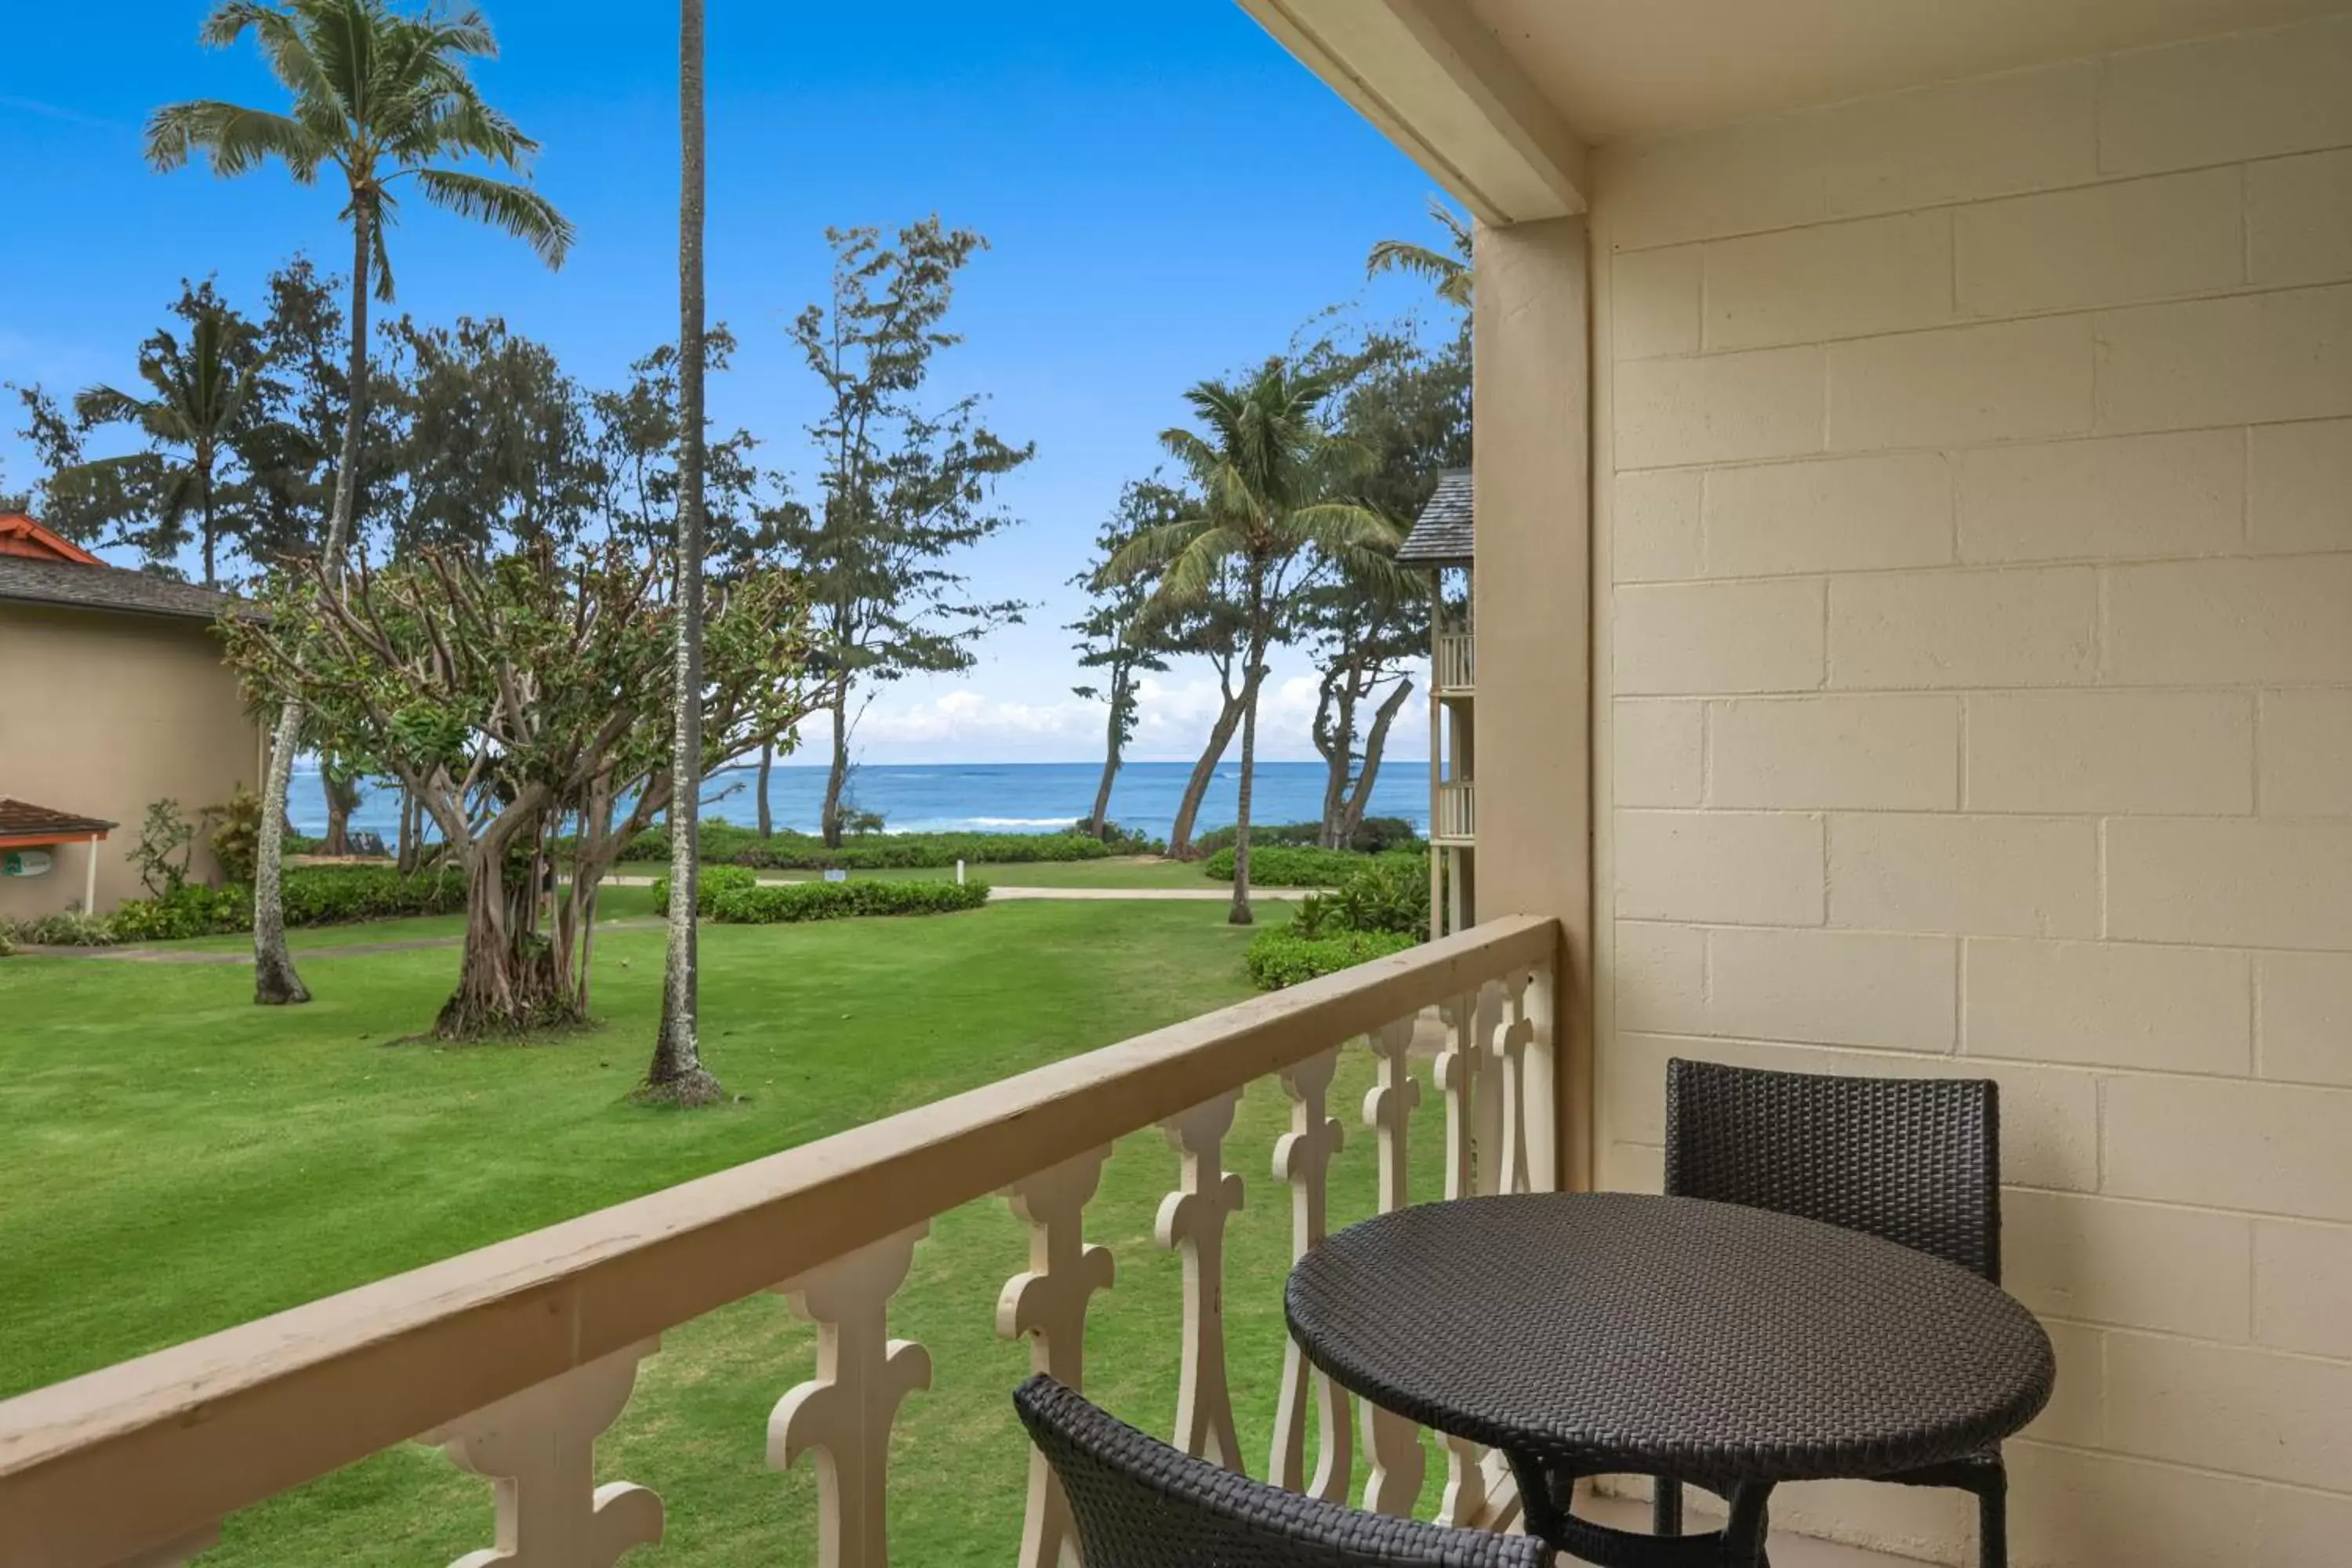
(1917, 1161)
(1140, 1503)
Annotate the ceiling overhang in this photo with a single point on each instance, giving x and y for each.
(1438, 82)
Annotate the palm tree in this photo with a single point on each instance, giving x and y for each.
(1269, 475)
(381, 97)
(677, 1075)
(201, 391)
(1448, 270)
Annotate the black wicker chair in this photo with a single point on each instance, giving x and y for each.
(1140, 1503)
(1916, 1161)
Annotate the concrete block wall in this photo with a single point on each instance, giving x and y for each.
(1974, 667)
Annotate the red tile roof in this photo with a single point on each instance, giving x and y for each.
(22, 822)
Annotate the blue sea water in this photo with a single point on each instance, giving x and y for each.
(995, 797)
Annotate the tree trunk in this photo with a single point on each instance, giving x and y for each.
(275, 983)
(1335, 739)
(1359, 798)
(1196, 788)
(509, 980)
(1112, 744)
(767, 765)
(340, 798)
(405, 851)
(204, 481)
(1240, 913)
(837, 778)
(676, 1076)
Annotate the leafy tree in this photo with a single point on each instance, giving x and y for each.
(522, 701)
(199, 396)
(1449, 269)
(1112, 636)
(676, 1074)
(382, 98)
(1212, 627)
(1407, 408)
(903, 488)
(1271, 479)
(489, 439)
(81, 500)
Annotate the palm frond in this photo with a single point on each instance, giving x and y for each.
(235, 140)
(502, 203)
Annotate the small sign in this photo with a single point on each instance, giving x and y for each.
(24, 862)
(835, 874)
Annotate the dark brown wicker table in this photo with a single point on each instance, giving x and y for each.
(1616, 1334)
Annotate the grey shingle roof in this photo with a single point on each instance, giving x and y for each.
(1446, 533)
(28, 580)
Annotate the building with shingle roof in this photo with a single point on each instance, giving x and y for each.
(112, 695)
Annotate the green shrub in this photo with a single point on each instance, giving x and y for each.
(1390, 894)
(236, 834)
(1281, 957)
(1280, 866)
(709, 881)
(787, 902)
(314, 895)
(724, 842)
(1372, 836)
(69, 928)
(8, 942)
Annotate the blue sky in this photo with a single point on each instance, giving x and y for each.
(1167, 192)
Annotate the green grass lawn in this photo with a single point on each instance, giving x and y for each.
(1115, 871)
(177, 1161)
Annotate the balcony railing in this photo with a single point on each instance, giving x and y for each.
(1456, 819)
(514, 1358)
(1456, 660)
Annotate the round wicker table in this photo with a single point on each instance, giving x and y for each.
(1587, 1334)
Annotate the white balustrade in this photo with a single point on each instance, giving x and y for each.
(1048, 1304)
(540, 1447)
(1397, 1465)
(844, 1414)
(280, 1391)
(1302, 1157)
(1192, 1222)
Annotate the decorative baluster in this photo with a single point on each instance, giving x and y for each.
(1391, 1442)
(172, 1554)
(1540, 1082)
(1487, 1101)
(1457, 1073)
(845, 1412)
(1048, 1303)
(1302, 1157)
(1193, 1222)
(1511, 1051)
(540, 1447)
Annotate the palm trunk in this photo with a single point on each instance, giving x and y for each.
(1196, 788)
(1240, 913)
(212, 577)
(767, 765)
(1111, 747)
(275, 983)
(837, 778)
(676, 1075)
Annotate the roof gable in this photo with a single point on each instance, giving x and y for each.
(20, 535)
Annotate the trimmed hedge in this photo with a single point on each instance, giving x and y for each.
(726, 843)
(1372, 836)
(778, 904)
(314, 895)
(1278, 866)
(709, 883)
(1281, 957)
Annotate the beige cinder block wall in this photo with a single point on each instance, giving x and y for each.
(101, 713)
(1975, 650)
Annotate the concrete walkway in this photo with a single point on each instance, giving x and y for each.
(998, 891)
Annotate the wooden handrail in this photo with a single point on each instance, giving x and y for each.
(135, 1455)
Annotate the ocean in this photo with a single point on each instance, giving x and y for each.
(992, 798)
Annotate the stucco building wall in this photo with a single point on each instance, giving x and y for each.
(101, 713)
(1973, 662)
